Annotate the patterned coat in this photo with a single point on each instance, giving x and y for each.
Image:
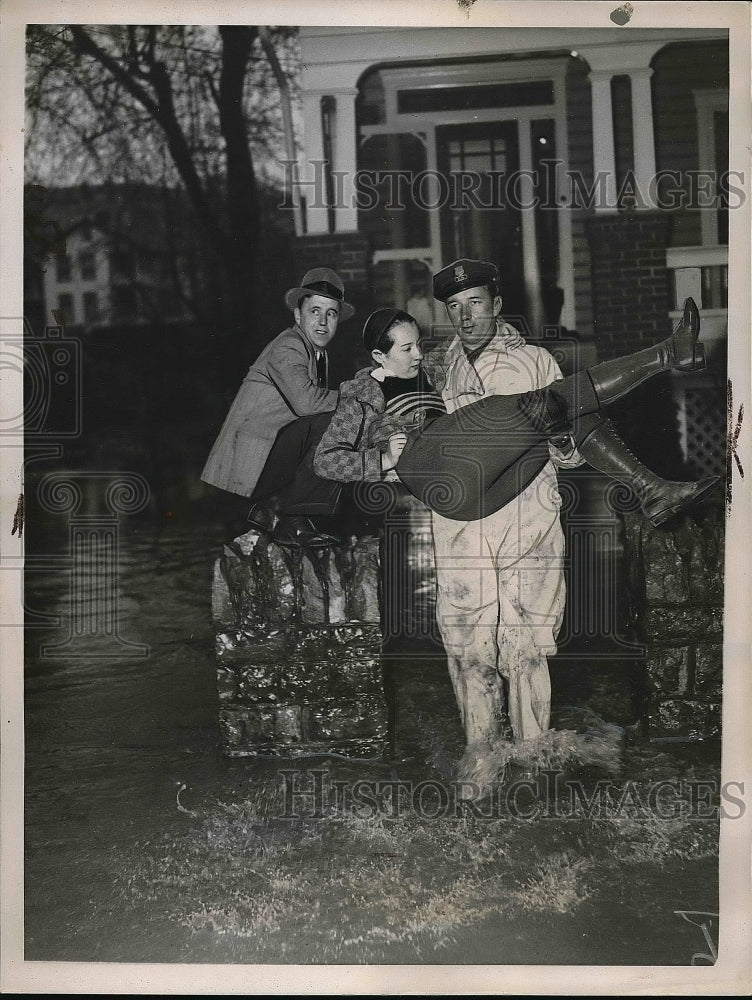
(280, 387)
(359, 431)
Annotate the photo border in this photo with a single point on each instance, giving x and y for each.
(732, 972)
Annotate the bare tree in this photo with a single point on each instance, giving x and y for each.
(194, 106)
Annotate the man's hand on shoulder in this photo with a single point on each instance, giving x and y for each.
(511, 337)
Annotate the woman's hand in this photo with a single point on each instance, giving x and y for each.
(394, 449)
(512, 338)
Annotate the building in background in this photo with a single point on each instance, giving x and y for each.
(126, 257)
(539, 149)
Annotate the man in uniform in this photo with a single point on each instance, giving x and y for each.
(501, 590)
(266, 444)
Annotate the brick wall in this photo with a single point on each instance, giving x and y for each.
(580, 132)
(630, 283)
(349, 255)
(631, 302)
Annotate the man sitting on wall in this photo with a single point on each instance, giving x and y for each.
(266, 444)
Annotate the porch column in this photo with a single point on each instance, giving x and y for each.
(312, 183)
(345, 161)
(642, 131)
(604, 160)
(531, 270)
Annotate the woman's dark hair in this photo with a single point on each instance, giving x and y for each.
(378, 327)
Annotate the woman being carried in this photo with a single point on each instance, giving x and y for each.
(472, 462)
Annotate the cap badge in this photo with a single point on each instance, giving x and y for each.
(459, 273)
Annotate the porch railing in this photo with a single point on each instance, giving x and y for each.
(702, 273)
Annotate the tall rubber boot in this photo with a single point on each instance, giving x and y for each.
(660, 499)
(680, 352)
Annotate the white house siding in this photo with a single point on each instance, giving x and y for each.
(678, 70)
(682, 60)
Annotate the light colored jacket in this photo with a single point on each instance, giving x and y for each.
(280, 387)
(501, 372)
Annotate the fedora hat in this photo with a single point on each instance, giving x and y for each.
(320, 281)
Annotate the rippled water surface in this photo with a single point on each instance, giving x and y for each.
(123, 752)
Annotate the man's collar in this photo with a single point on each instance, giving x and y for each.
(311, 348)
(456, 348)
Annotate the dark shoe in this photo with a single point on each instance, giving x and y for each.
(660, 499)
(682, 352)
(262, 518)
(301, 532)
(668, 499)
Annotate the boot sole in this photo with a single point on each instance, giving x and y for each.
(660, 517)
(289, 543)
(258, 526)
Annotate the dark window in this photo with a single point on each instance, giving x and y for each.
(479, 155)
(621, 104)
(715, 286)
(123, 264)
(65, 305)
(147, 263)
(721, 136)
(496, 95)
(88, 267)
(543, 136)
(63, 268)
(124, 303)
(395, 212)
(91, 307)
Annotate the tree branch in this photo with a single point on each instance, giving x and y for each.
(163, 112)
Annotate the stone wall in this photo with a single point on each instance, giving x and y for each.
(298, 643)
(675, 584)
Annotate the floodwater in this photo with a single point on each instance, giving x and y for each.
(121, 739)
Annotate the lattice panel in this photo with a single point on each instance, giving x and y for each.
(702, 429)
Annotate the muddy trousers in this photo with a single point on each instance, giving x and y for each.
(500, 605)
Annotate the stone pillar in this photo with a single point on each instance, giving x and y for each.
(298, 643)
(675, 590)
(643, 138)
(530, 265)
(313, 183)
(604, 159)
(345, 159)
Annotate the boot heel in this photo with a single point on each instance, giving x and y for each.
(698, 362)
(660, 509)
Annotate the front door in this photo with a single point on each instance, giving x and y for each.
(477, 220)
